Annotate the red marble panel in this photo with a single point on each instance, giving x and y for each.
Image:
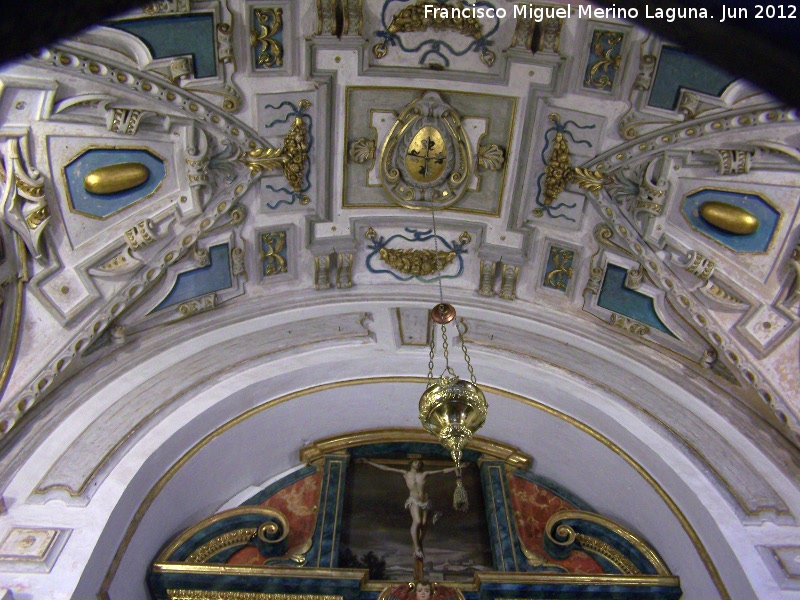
(533, 505)
(298, 503)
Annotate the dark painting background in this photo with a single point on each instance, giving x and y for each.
(375, 523)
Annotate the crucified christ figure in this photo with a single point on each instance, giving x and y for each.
(418, 503)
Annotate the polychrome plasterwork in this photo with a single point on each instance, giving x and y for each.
(298, 503)
(371, 114)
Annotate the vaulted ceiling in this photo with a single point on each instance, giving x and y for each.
(218, 247)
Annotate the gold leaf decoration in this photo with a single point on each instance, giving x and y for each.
(558, 172)
(292, 157)
(416, 262)
(589, 180)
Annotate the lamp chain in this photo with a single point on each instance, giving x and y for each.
(446, 352)
(461, 333)
(438, 258)
(433, 351)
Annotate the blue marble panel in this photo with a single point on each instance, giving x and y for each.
(678, 69)
(324, 551)
(101, 206)
(573, 591)
(506, 553)
(215, 276)
(177, 36)
(258, 581)
(757, 241)
(630, 303)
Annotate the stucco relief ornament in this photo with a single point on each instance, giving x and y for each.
(24, 204)
(426, 160)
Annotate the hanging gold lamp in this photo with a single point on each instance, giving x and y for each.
(451, 408)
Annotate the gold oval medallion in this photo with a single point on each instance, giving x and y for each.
(112, 179)
(426, 155)
(729, 218)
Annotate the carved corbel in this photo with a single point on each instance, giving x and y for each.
(634, 278)
(225, 43)
(547, 36)
(180, 67)
(538, 36)
(722, 297)
(237, 261)
(196, 157)
(24, 204)
(690, 104)
(125, 120)
(322, 267)
(350, 23)
(200, 256)
(699, 265)
(167, 7)
(647, 68)
(595, 281)
(709, 357)
(141, 235)
(703, 268)
(630, 325)
(118, 335)
(524, 33)
(488, 269)
(508, 282)
(124, 261)
(198, 305)
(344, 269)
(730, 161)
(652, 193)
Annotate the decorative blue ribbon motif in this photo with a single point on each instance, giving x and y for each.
(417, 237)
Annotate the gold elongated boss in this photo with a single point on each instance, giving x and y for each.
(728, 217)
(112, 179)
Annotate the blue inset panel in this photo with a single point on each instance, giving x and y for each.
(604, 59)
(176, 36)
(616, 297)
(268, 30)
(559, 268)
(758, 241)
(215, 276)
(678, 69)
(101, 206)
